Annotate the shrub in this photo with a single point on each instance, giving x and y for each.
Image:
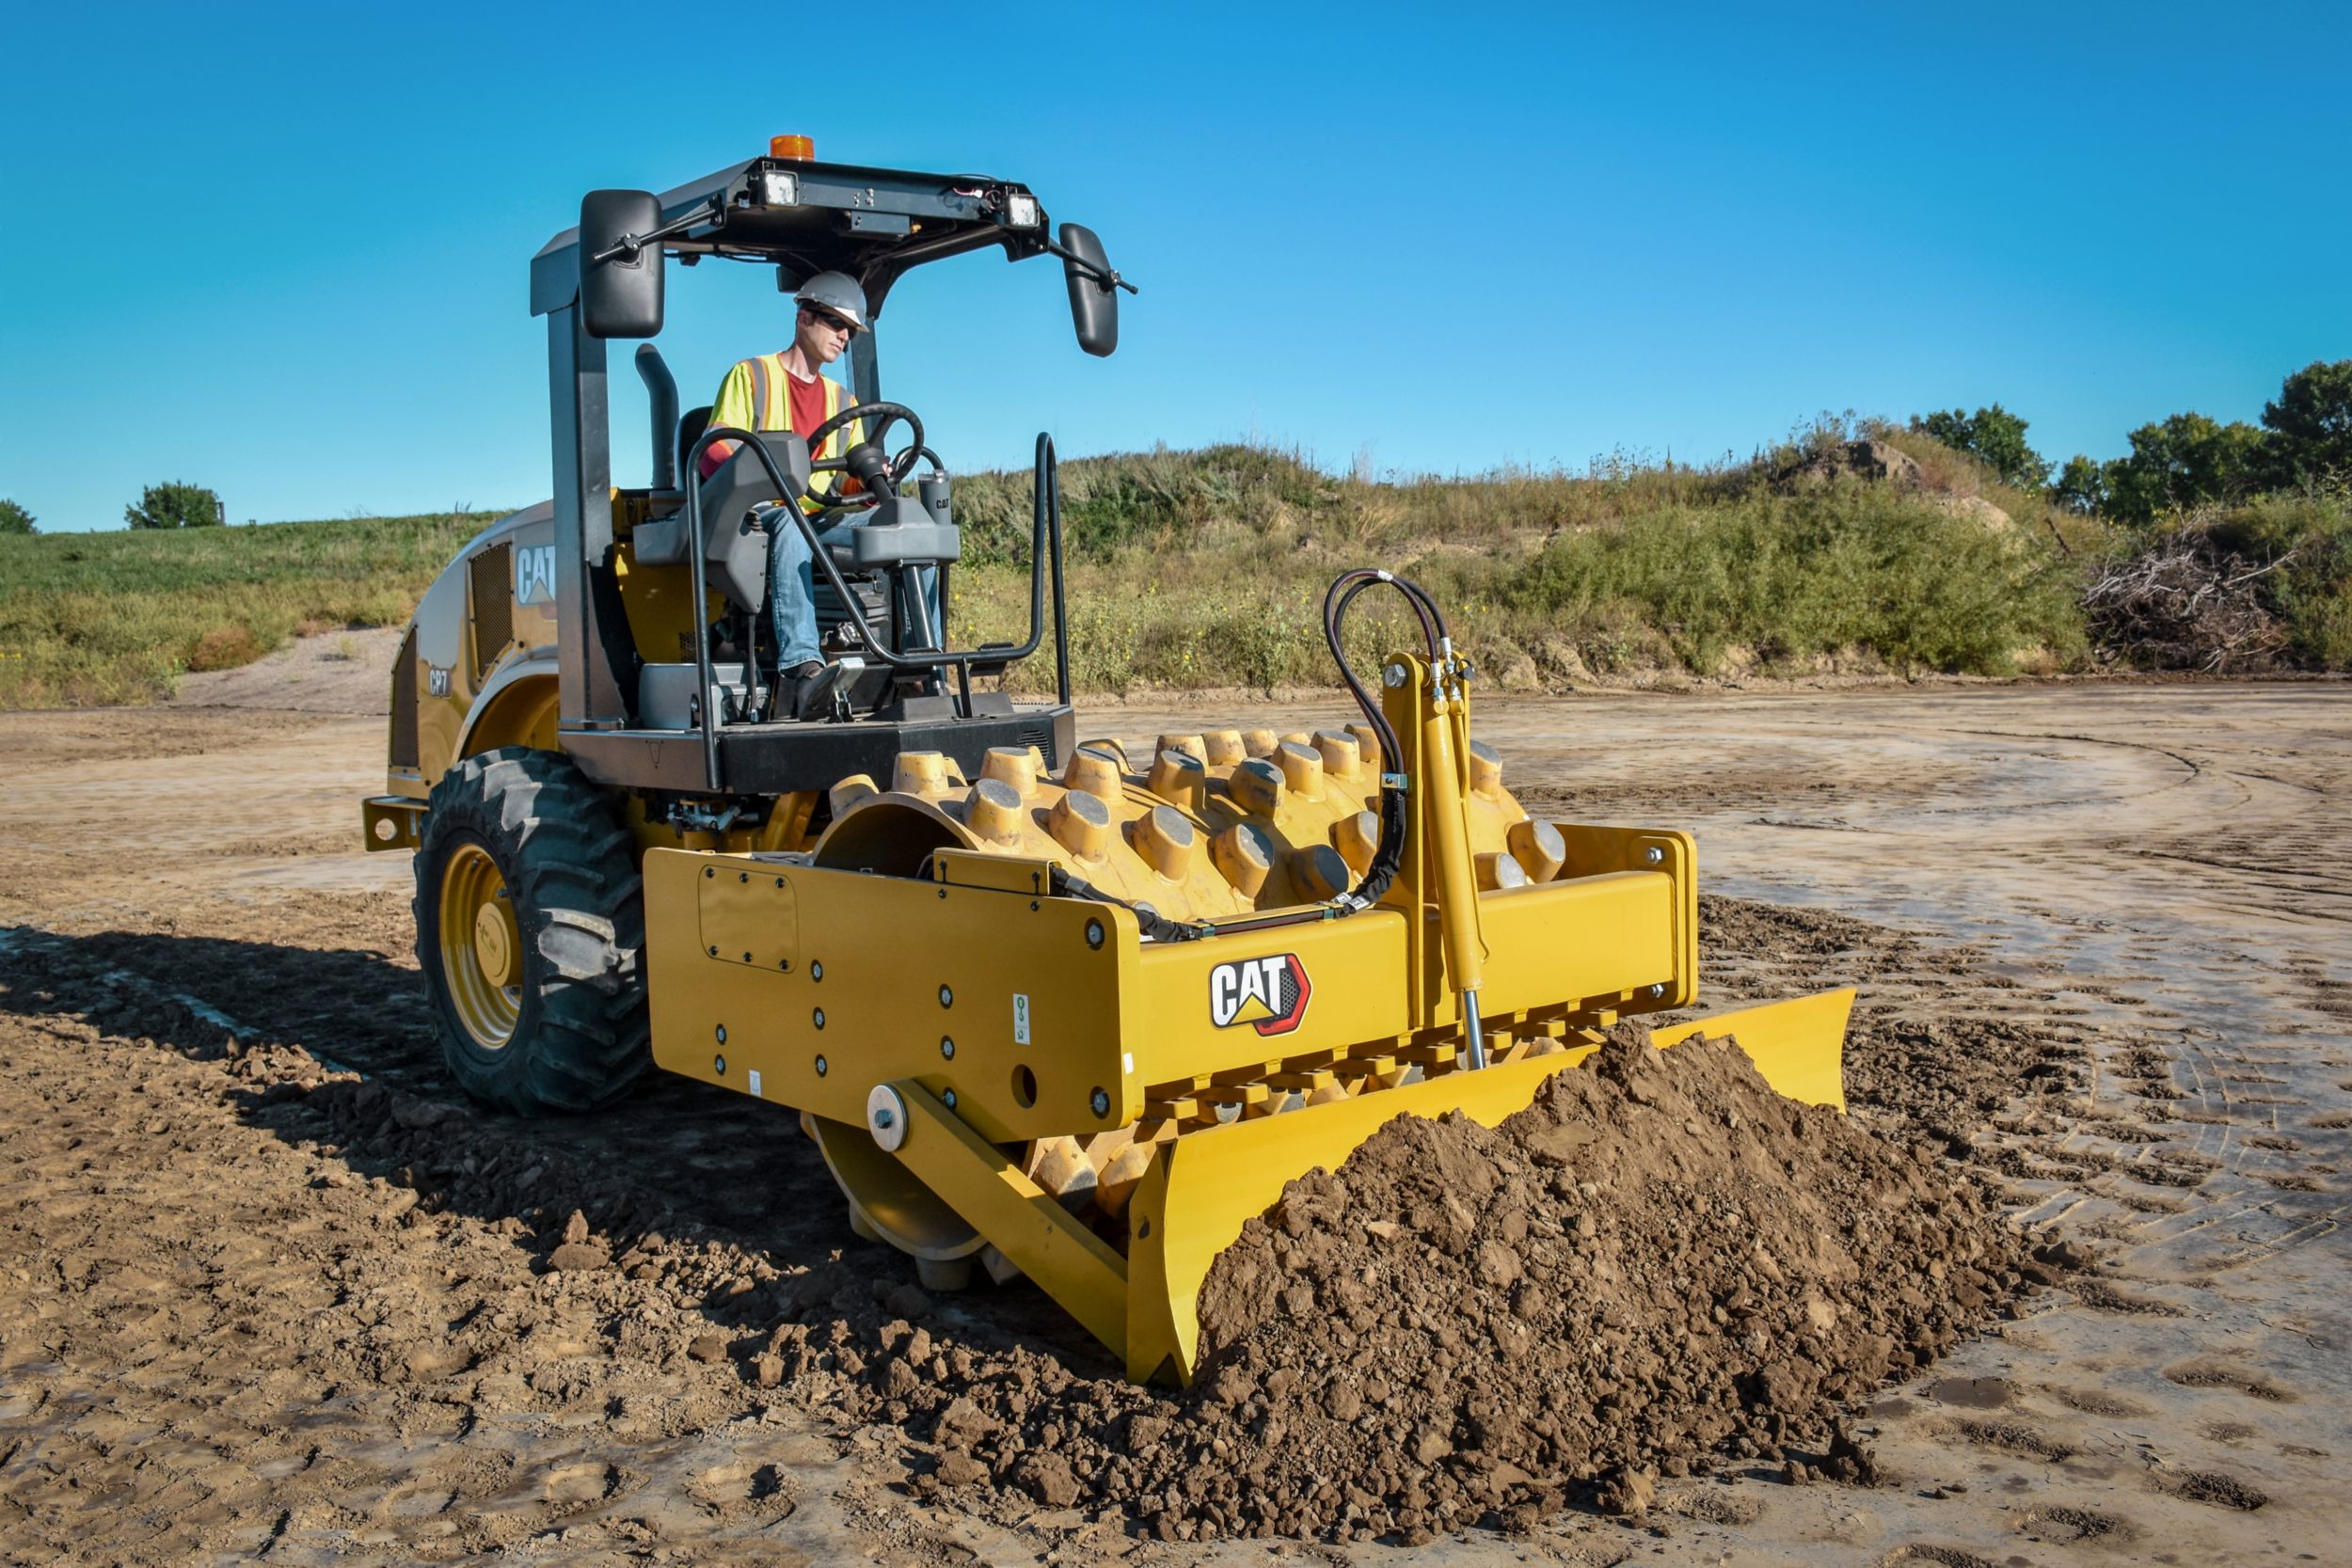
(2309, 537)
(1852, 567)
(15, 519)
(224, 648)
(174, 504)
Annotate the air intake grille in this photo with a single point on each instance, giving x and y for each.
(1041, 735)
(404, 703)
(493, 605)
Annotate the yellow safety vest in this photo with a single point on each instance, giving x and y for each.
(756, 395)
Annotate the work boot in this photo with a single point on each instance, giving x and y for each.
(811, 686)
(783, 702)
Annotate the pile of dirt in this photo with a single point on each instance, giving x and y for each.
(1659, 1265)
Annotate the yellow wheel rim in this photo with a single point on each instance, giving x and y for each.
(481, 947)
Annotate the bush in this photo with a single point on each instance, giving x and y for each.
(224, 648)
(15, 519)
(1110, 503)
(1852, 567)
(2310, 539)
(174, 504)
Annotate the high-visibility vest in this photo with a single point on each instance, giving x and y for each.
(756, 395)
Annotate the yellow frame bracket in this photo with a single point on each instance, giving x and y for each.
(1023, 1220)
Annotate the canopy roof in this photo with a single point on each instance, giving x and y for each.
(807, 217)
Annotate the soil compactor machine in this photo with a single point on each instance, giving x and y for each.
(1048, 1009)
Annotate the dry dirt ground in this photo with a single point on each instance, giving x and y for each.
(269, 1288)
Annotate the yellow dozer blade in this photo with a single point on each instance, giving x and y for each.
(1015, 1054)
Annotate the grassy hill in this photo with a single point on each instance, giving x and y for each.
(1207, 568)
(119, 617)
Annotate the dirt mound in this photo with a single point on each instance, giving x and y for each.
(1660, 1263)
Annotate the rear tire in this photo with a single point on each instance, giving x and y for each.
(531, 930)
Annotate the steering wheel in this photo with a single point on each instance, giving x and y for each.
(883, 416)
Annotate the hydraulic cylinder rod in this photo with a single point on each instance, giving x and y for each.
(1444, 745)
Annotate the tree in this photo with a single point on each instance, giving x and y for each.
(1994, 435)
(174, 505)
(15, 519)
(2081, 487)
(2311, 424)
(2186, 461)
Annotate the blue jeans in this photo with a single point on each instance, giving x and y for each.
(792, 588)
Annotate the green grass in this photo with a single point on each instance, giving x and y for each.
(1207, 568)
(1632, 570)
(119, 617)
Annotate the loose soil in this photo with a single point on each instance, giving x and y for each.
(1658, 1264)
(270, 1286)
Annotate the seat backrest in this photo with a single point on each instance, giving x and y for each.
(689, 430)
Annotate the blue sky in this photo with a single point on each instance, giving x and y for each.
(281, 251)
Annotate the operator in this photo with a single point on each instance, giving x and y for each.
(789, 392)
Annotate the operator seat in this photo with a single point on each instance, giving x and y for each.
(734, 546)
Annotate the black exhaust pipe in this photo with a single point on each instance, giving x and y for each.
(661, 392)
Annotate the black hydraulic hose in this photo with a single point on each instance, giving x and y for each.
(1396, 809)
(1155, 926)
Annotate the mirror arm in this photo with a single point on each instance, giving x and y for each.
(1105, 277)
(630, 244)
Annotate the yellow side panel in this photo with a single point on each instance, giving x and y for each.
(1576, 942)
(656, 598)
(1354, 969)
(885, 972)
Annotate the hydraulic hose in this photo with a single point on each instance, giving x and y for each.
(1396, 809)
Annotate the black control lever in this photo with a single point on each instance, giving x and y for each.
(871, 466)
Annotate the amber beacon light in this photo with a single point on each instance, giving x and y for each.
(799, 149)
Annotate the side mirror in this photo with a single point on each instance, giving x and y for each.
(619, 296)
(1093, 305)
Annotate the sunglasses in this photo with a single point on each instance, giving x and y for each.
(828, 319)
